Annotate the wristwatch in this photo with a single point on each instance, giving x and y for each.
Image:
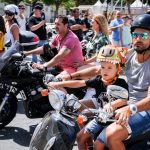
(133, 109)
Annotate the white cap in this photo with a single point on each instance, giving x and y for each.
(12, 8)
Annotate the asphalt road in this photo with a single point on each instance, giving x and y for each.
(17, 135)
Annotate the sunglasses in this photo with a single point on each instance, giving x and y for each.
(21, 8)
(9, 13)
(143, 35)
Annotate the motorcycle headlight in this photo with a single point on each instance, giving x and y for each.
(56, 99)
(72, 103)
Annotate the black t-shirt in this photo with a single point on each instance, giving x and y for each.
(87, 23)
(41, 32)
(77, 32)
(100, 88)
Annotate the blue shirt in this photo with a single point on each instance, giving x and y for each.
(115, 33)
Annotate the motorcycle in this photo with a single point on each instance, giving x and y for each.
(18, 77)
(58, 129)
(86, 38)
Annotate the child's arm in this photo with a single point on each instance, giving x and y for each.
(118, 103)
(114, 105)
(71, 84)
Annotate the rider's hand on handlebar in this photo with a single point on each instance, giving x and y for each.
(122, 115)
(38, 66)
(109, 108)
(52, 85)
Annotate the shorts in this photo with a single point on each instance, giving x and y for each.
(94, 128)
(138, 124)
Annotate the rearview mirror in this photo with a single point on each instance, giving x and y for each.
(117, 92)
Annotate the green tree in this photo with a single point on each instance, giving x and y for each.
(11, 1)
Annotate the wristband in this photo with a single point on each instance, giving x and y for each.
(133, 109)
(70, 75)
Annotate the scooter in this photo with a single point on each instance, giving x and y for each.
(58, 129)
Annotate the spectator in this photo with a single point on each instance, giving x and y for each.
(68, 47)
(76, 24)
(86, 21)
(37, 25)
(2, 34)
(21, 17)
(11, 25)
(125, 32)
(115, 28)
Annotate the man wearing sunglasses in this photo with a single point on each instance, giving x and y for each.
(36, 24)
(134, 119)
(21, 17)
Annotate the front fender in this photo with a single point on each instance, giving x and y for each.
(54, 126)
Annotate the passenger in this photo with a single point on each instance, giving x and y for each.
(100, 38)
(68, 46)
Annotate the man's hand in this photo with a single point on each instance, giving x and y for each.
(122, 115)
(52, 85)
(38, 66)
(78, 64)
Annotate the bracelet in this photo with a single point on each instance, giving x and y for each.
(70, 75)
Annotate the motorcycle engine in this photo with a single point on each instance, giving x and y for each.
(36, 105)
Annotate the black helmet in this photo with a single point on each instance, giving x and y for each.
(141, 21)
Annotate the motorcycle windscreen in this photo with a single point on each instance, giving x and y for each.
(55, 126)
(4, 58)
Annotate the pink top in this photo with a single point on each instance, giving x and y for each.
(71, 42)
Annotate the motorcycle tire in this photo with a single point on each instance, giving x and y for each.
(9, 110)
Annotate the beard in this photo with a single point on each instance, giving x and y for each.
(140, 48)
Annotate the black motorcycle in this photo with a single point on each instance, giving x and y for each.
(18, 77)
(58, 129)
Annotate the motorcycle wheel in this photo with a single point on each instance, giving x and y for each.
(9, 110)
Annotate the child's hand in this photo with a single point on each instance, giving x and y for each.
(52, 85)
(108, 108)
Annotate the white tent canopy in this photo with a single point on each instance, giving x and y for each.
(97, 7)
(137, 3)
(98, 3)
